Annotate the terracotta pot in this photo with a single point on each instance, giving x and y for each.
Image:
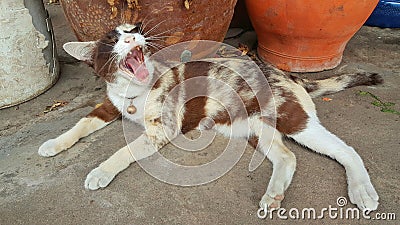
(204, 20)
(306, 35)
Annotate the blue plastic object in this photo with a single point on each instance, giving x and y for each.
(386, 14)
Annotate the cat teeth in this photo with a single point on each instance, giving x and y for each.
(138, 48)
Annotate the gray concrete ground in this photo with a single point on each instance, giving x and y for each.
(36, 190)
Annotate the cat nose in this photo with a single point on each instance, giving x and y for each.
(129, 39)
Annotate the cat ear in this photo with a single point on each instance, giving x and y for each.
(80, 50)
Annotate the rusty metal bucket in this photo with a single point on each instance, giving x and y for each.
(180, 20)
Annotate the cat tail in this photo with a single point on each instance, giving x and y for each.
(334, 84)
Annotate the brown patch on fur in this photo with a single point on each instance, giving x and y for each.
(106, 112)
(267, 120)
(176, 75)
(102, 63)
(172, 85)
(193, 114)
(252, 106)
(253, 142)
(157, 84)
(222, 118)
(309, 85)
(365, 79)
(195, 107)
(291, 117)
(296, 79)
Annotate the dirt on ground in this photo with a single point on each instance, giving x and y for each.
(37, 190)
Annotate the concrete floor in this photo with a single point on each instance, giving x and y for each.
(36, 190)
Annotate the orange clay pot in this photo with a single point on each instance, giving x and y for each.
(306, 35)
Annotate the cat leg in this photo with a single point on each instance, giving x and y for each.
(143, 147)
(97, 119)
(101, 176)
(284, 165)
(360, 188)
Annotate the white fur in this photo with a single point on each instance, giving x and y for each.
(83, 128)
(317, 138)
(106, 171)
(284, 166)
(80, 50)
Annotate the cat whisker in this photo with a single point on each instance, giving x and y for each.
(109, 62)
(145, 23)
(112, 61)
(153, 28)
(156, 44)
(161, 33)
(107, 44)
(152, 44)
(159, 38)
(155, 40)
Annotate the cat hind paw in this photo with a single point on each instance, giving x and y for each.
(364, 196)
(268, 202)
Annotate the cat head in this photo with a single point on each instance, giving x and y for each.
(121, 52)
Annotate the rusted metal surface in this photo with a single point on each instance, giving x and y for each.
(29, 63)
(203, 20)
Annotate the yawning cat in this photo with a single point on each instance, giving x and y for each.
(122, 59)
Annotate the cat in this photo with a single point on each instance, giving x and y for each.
(122, 58)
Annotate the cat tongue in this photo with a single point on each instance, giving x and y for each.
(140, 70)
(142, 73)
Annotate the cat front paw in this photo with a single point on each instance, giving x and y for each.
(98, 178)
(49, 148)
(364, 196)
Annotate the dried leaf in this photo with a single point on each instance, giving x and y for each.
(243, 48)
(56, 104)
(114, 12)
(133, 4)
(252, 55)
(111, 2)
(325, 99)
(52, 2)
(187, 4)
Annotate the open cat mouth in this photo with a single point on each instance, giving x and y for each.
(134, 65)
